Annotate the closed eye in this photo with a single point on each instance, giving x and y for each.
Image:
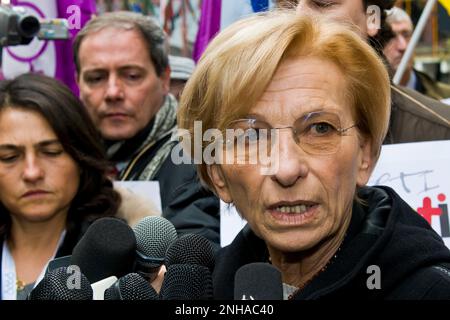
(52, 153)
(9, 158)
(94, 78)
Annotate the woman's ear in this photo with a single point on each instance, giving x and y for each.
(366, 162)
(218, 179)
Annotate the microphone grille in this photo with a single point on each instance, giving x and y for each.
(187, 282)
(192, 249)
(258, 281)
(108, 248)
(154, 235)
(132, 287)
(62, 284)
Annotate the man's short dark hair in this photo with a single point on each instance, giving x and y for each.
(151, 32)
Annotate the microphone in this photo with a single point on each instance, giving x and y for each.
(187, 282)
(58, 263)
(191, 249)
(131, 287)
(258, 281)
(62, 284)
(189, 261)
(153, 236)
(106, 249)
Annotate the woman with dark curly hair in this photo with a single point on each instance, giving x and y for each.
(53, 180)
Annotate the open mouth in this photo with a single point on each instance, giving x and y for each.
(294, 214)
(293, 209)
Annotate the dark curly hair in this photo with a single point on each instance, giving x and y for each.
(71, 123)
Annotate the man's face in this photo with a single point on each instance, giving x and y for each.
(118, 82)
(396, 47)
(340, 10)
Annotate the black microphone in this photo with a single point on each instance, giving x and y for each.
(258, 281)
(187, 282)
(192, 249)
(153, 236)
(62, 284)
(189, 261)
(131, 287)
(58, 263)
(106, 249)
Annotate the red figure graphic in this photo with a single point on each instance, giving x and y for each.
(427, 211)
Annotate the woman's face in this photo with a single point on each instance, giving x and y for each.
(38, 179)
(308, 199)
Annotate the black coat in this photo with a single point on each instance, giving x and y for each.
(412, 258)
(185, 202)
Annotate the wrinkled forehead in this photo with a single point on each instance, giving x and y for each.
(301, 85)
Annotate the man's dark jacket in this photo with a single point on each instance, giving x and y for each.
(185, 202)
(416, 118)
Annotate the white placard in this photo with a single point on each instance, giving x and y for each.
(146, 189)
(230, 223)
(418, 172)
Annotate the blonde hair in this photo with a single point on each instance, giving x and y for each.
(240, 62)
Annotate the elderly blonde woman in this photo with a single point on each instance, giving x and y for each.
(316, 99)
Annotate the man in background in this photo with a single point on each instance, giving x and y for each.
(402, 28)
(123, 74)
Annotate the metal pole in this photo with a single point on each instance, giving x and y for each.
(414, 40)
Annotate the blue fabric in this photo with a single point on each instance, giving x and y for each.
(260, 5)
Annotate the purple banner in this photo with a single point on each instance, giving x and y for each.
(209, 26)
(65, 69)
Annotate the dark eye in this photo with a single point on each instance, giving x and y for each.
(257, 134)
(322, 128)
(134, 76)
(248, 136)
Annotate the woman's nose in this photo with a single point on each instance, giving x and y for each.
(33, 170)
(291, 160)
